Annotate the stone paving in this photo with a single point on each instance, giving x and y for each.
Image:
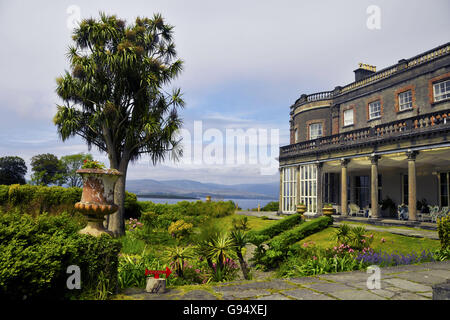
(413, 282)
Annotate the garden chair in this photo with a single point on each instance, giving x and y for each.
(442, 213)
(353, 209)
(403, 213)
(425, 216)
(434, 213)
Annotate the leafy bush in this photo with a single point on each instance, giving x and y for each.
(132, 207)
(444, 231)
(278, 247)
(258, 237)
(240, 223)
(191, 212)
(180, 229)
(55, 199)
(271, 206)
(35, 254)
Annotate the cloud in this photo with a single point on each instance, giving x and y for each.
(246, 62)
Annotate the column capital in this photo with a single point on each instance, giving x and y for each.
(412, 155)
(344, 162)
(374, 158)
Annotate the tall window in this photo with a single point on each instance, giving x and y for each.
(375, 110)
(405, 190)
(348, 117)
(441, 90)
(289, 189)
(331, 186)
(444, 188)
(362, 195)
(315, 131)
(405, 100)
(295, 135)
(308, 187)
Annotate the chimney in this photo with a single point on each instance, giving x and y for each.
(364, 71)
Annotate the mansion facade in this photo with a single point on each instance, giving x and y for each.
(385, 136)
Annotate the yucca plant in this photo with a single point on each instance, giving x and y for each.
(178, 255)
(342, 234)
(240, 241)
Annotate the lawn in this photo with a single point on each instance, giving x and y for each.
(393, 242)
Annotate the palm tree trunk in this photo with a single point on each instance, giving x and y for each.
(116, 222)
(244, 266)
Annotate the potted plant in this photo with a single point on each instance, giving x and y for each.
(328, 209)
(301, 208)
(97, 198)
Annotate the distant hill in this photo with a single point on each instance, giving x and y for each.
(195, 189)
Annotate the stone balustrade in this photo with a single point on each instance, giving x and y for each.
(409, 126)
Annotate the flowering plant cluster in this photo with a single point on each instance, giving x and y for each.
(180, 229)
(92, 164)
(226, 272)
(133, 224)
(191, 274)
(384, 259)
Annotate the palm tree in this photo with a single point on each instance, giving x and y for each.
(240, 241)
(115, 96)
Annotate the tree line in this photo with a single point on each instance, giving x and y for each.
(46, 170)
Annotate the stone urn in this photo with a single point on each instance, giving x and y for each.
(97, 198)
(327, 210)
(301, 208)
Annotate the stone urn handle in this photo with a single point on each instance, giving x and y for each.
(97, 198)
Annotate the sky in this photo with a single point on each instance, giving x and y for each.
(245, 64)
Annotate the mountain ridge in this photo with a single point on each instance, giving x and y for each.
(196, 189)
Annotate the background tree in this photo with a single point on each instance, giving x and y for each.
(115, 96)
(12, 170)
(72, 163)
(47, 169)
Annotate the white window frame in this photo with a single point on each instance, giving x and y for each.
(289, 190)
(315, 130)
(375, 114)
(441, 90)
(308, 187)
(348, 120)
(405, 100)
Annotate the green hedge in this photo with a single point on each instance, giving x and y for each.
(192, 212)
(36, 252)
(38, 199)
(444, 232)
(278, 247)
(258, 237)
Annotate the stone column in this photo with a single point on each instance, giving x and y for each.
(374, 187)
(319, 188)
(280, 205)
(298, 184)
(344, 163)
(412, 187)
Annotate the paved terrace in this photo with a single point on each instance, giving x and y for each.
(412, 282)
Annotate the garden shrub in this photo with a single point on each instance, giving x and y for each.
(257, 237)
(191, 212)
(444, 232)
(132, 207)
(271, 206)
(35, 254)
(278, 246)
(35, 200)
(180, 229)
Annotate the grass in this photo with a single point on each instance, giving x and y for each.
(387, 227)
(394, 242)
(254, 223)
